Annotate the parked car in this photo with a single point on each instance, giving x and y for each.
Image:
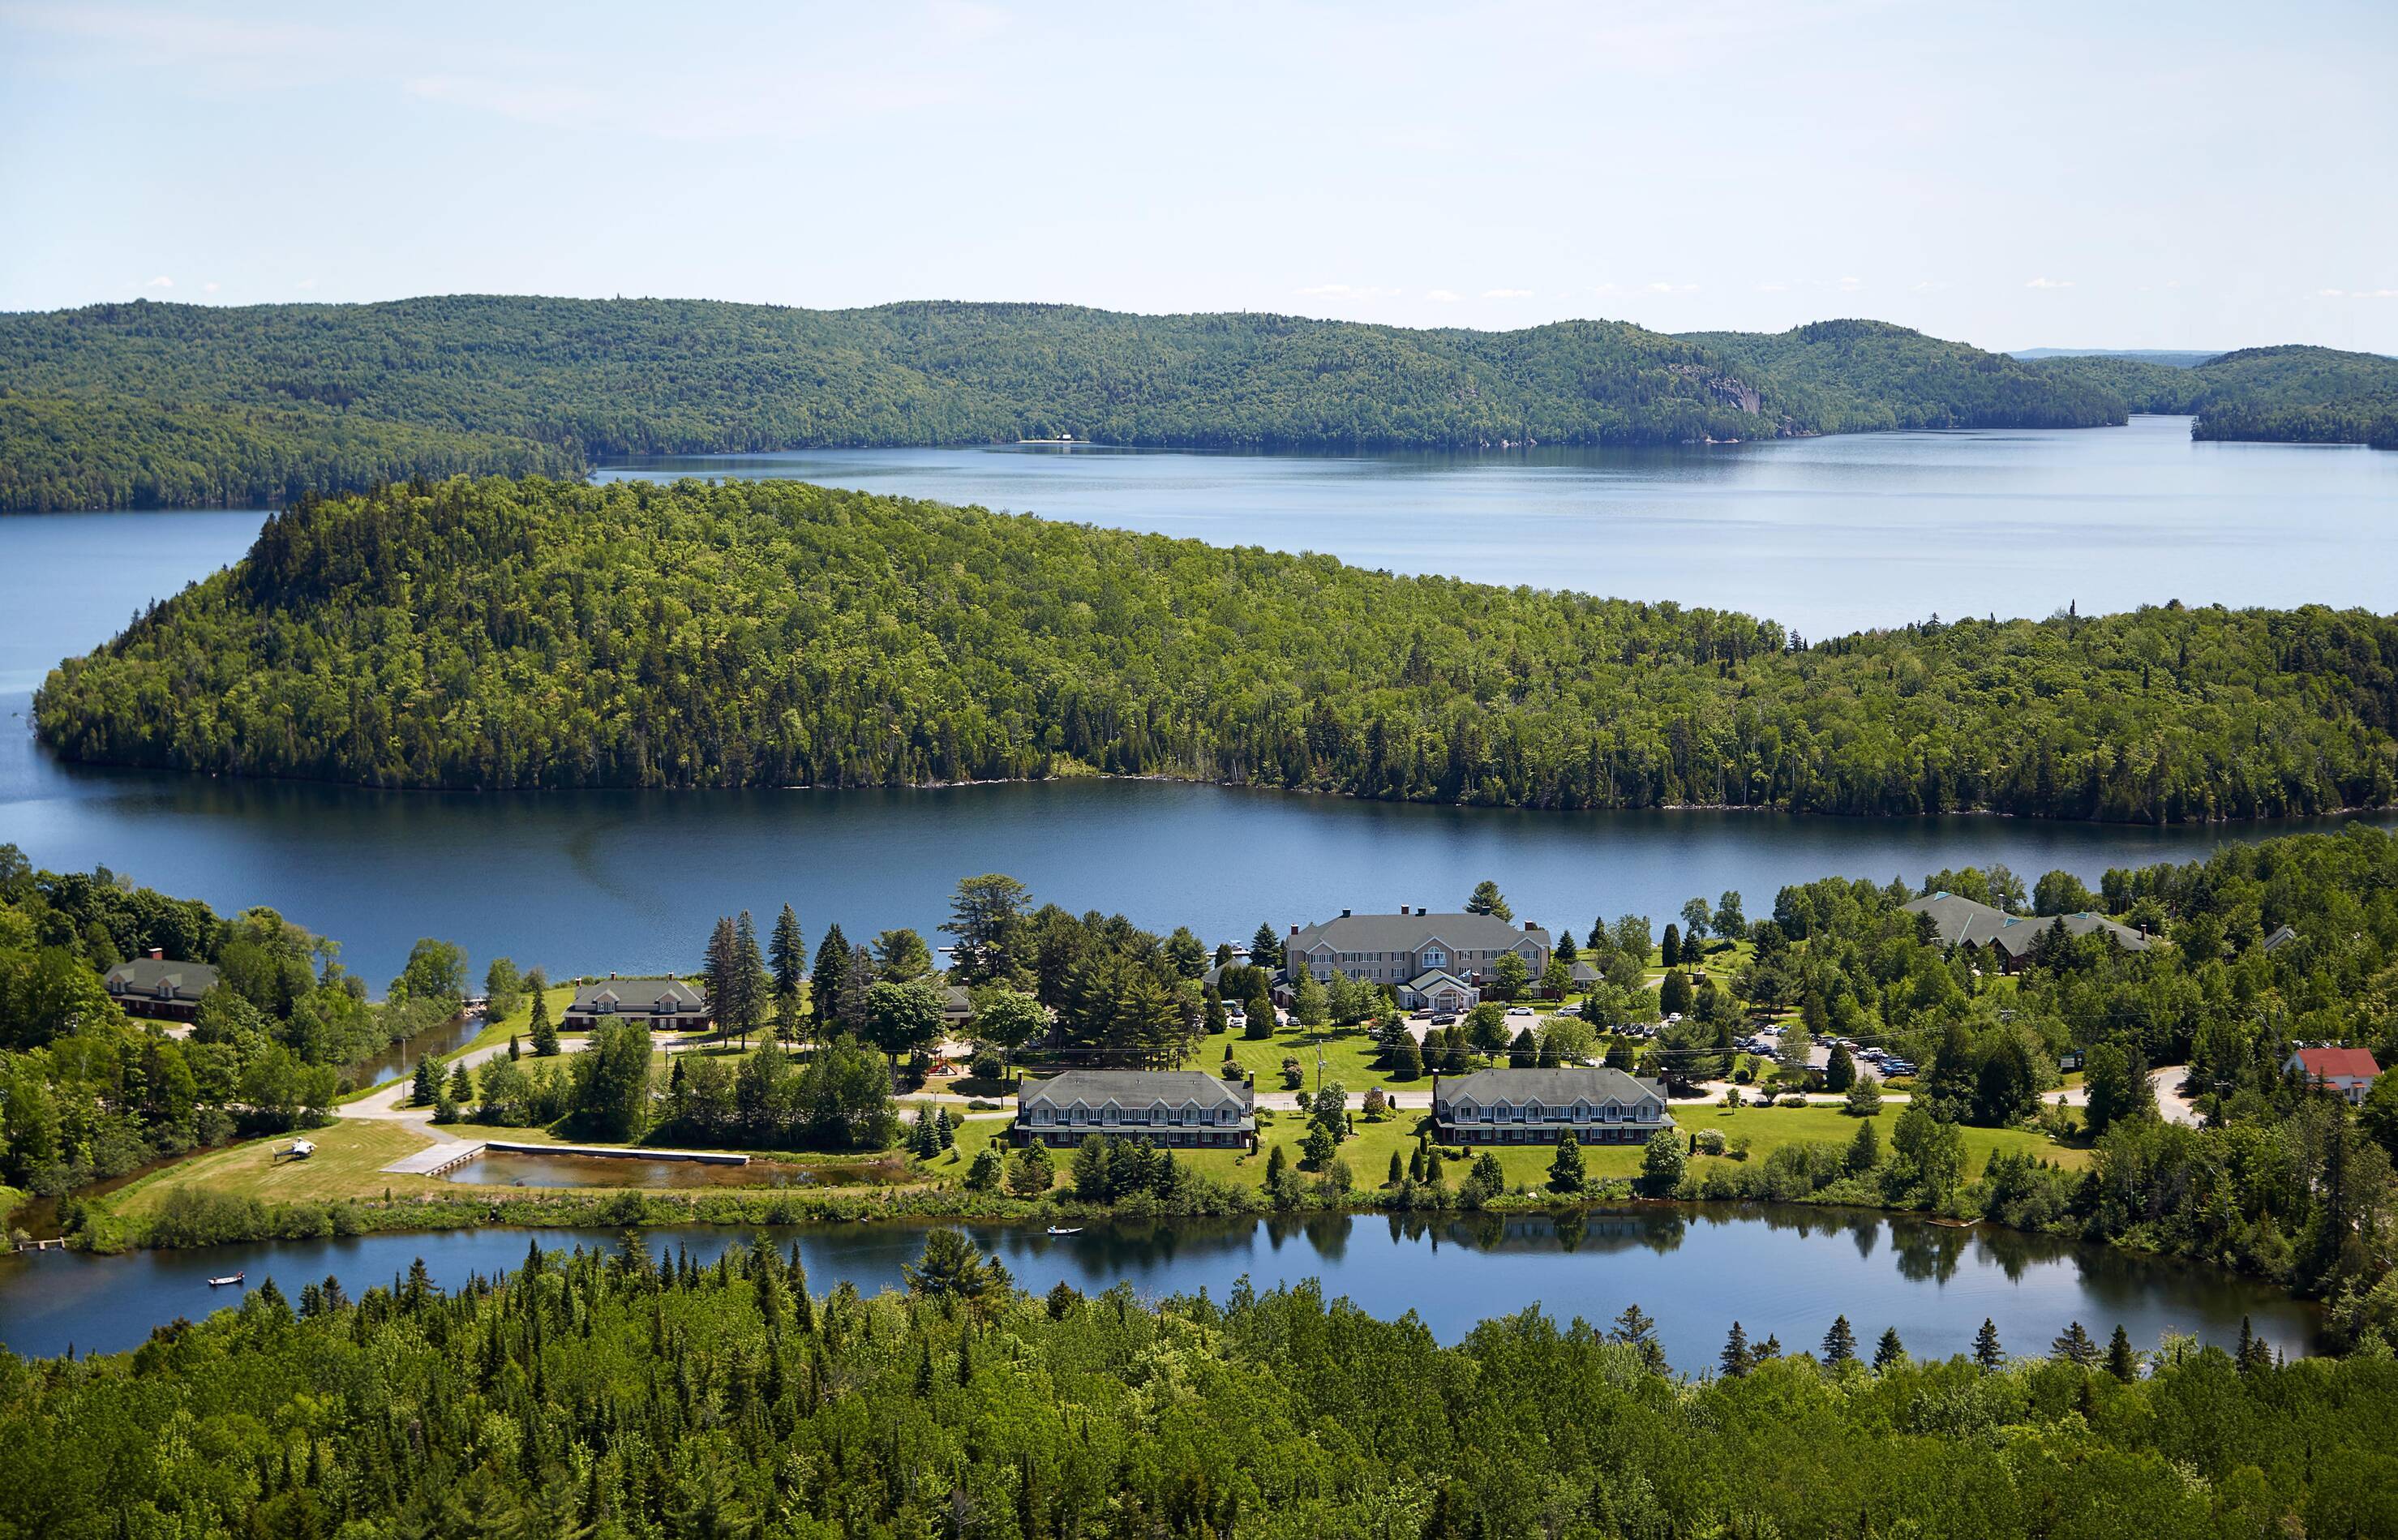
(1445, 1019)
(1519, 1010)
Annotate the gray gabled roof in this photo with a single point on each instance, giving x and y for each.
(638, 995)
(1556, 1088)
(2279, 938)
(144, 975)
(1136, 1088)
(1965, 922)
(1430, 978)
(1411, 932)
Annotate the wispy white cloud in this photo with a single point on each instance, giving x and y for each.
(1506, 293)
(1662, 288)
(210, 286)
(1930, 286)
(1441, 296)
(161, 282)
(2050, 283)
(1772, 288)
(2358, 293)
(1347, 291)
(305, 283)
(1850, 285)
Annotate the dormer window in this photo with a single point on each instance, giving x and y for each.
(1434, 957)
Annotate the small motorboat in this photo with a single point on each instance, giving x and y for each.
(1065, 1230)
(229, 1279)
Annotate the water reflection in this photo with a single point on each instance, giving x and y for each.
(1783, 1272)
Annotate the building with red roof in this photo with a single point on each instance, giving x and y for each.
(2347, 1072)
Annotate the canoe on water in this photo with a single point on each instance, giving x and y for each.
(219, 1283)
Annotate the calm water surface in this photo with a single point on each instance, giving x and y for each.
(1779, 1272)
(1828, 534)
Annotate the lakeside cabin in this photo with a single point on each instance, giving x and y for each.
(160, 986)
(666, 1005)
(1178, 1109)
(2007, 940)
(1597, 1106)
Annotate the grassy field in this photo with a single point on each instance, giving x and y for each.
(348, 1162)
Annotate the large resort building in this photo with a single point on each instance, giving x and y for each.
(2007, 940)
(1186, 1108)
(1433, 962)
(1597, 1106)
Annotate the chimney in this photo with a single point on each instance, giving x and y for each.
(1294, 930)
(1403, 909)
(157, 954)
(1344, 914)
(1530, 926)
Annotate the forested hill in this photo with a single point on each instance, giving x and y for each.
(2290, 395)
(544, 634)
(139, 404)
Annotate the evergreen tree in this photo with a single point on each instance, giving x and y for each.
(1864, 1152)
(748, 980)
(1486, 899)
(1670, 951)
(1566, 1167)
(1839, 1343)
(788, 950)
(462, 1083)
(2122, 1361)
(1987, 1352)
(1889, 1352)
(1265, 947)
(1635, 1328)
(543, 1034)
(1769, 1350)
(826, 984)
(1524, 1053)
(2254, 1357)
(427, 1083)
(1398, 1170)
(2074, 1346)
(1736, 1358)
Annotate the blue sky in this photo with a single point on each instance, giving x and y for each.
(2195, 175)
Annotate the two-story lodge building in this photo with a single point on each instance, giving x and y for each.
(1597, 1106)
(1186, 1108)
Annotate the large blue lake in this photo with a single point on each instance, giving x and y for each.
(1828, 535)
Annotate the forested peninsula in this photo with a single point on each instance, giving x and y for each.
(540, 634)
(143, 404)
(2290, 395)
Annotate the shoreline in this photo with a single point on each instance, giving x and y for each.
(1335, 793)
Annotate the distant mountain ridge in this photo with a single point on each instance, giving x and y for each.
(2169, 357)
(146, 404)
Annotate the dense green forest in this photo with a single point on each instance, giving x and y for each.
(120, 405)
(607, 1394)
(1865, 376)
(502, 634)
(2296, 394)
(86, 1093)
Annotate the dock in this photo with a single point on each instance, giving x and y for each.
(450, 1154)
